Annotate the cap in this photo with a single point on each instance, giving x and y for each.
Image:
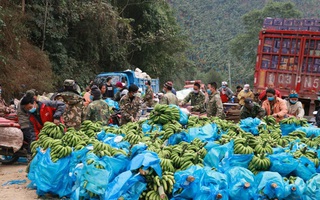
(68, 83)
(124, 92)
(168, 84)
(31, 92)
(119, 84)
(248, 101)
(224, 83)
(246, 86)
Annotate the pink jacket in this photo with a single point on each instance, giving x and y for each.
(279, 108)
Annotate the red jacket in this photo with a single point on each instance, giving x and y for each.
(263, 95)
(47, 111)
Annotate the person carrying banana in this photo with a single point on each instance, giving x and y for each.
(197, 99)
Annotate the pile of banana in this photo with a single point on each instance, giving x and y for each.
(171, 128)
(91, 128)
(293, 120)
(259, 163)
(59, 151)
(52, 130)
(310, 154)
(101, 149)
(195, 121)
(162, 114)
(133, 136)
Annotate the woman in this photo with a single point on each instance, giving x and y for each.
(295, 106)
(103, 89)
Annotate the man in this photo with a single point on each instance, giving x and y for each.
(294, 106)
(245, 93)
(148, 97)
(214, 105)
(119, 88)
(263, 95)
(238, 90)
(109, 88)
(41, 112)
(98, 109)
(225, 92)
(24, 122)
(251, 109)
(168, 98)
(197, 99)
(274, 105)
(130, 105)
(73, 115)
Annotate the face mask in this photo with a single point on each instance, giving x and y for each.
(319, 98)
(209, 91)
(196, 91)
(163, 91)
(270, 98)
(136, 94)
(32, 110)
(292, 102)
(246, 90)
(224, 86)
(0, 91)
(91, 97)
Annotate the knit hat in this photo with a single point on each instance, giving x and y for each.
(168, 85)
(119, 84)
(68, 83)
(95, 92)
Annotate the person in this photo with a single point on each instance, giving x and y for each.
(24, 122)
(251, 109)
(120, 88)
(274, 105)
(148, 97)
(173, 90)
(110, 91)
(225, 92)
(197, 99)
(103, 90)
(86, 96)
(41, 112)
(124, 81)
(98, 109)
(245, 93)
(263, 95)
(168, 98)
(73, 114)
(130, 105)
(214, 105)
(238, 90)
(294, 106)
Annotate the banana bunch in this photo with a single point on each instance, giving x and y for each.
(293, 120)
(171, 128)
(52, 130)
(167, 165)
(263, 148)
(276, 135)
(91, 128)
(269, 120)
(101, 149)
(195, 121)
(224, 125)
(311, 155)
(298, 134)
(72, 139)
(259, 163)
(154, 195)
(133, 137)
(162, 114)
(114, 130)
(312, 141)
(283, 142)
(58, 151)
(49, 142)
(290, 180)
(241, 146)
(33, 146)
(167, 181)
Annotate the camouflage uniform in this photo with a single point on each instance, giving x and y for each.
(256, 111)
(148, 98)
(98, 110)
(215, 106)
(73, 115)
(129, 108)
(197, 101)
(169, 98)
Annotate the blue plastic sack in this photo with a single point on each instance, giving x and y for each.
(190, 189)
(50, 177)
(288, 128)
(211, 192)
(296, 190)
(118, 164)
(283, 163)
(114, 189)
(313, 188)
(310, 131)
(78, 156)
(241, 183)
(208, 132)
(235, 160)
(146, 127)
(112, 103)
(137, 149)
(217, 153)
(305, 169)
(265, 181)
(134, 187)
(177, 138)
(183, 116)
(250, 125)
(146, 159)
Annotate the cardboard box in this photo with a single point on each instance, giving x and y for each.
(284, 51)
(288, 22)
(293, 67)
(267, 42)
(275, 59)
(265, 64)
(266, 57)
(308, 22)
(297, 22)
(266, 49)
(288, 60)
(278, 22)
(283, 67)
(314, 52)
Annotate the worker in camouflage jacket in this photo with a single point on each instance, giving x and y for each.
(98, 109)
(197, 99)
(148, 97)
(130, 105)
(169, 98)
(251, 109)
(74, 113)
(214, 105)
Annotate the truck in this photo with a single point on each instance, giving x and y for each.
(130, 77)
(288, 55)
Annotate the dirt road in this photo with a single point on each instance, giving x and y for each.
(15, 191)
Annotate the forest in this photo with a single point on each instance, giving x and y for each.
(43, 42)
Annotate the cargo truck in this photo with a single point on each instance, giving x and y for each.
(289, 56)
(130, 77)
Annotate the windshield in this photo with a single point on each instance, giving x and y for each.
(103, 79)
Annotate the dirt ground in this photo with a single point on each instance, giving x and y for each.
(14, 191)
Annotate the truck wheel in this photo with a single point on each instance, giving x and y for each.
(7, 160)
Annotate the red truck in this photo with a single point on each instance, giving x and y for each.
(289, 56)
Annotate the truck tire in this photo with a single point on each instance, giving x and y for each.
(7, 160)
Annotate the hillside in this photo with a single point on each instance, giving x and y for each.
(211, 24)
